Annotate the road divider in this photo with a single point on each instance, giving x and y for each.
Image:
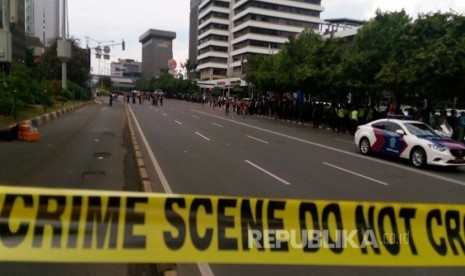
(57, 225)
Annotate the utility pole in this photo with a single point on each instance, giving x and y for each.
(64, 47)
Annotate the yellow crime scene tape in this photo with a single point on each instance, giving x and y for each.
(52, 225)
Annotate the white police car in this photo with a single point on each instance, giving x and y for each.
(412, 140)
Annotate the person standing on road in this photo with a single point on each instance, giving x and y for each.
(452, 120)
(227, 105)
(461, 127)
(111, 99)
(353, 120)
(161, 100)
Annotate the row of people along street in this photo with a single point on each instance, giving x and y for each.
(139, 97)
(339, 118)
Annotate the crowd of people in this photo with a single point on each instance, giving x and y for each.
(135, 96)
(337, 117)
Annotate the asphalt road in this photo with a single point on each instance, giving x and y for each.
(87, 149)
(201, 151)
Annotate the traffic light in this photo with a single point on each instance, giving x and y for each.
(123, 45)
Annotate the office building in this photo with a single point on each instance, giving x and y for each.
(230, 31)
(157, 49)
(193, 29)
(43, 20)
(18, 33)
(126, 68)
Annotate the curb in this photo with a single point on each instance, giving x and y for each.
(9, 133)
(163, 269)
(40, 120)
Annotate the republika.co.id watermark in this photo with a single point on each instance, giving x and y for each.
(315, 239)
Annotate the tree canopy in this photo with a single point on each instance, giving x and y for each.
(38, 81)
(392, 54)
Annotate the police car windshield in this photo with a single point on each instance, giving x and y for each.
(420, 129)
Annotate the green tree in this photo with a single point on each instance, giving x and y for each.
(191, 67)
(437, 65)
(105, 82)
(77, 68)
(375, 53)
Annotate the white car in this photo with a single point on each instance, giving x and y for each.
(411, 140)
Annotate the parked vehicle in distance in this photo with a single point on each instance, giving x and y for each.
(411, 140)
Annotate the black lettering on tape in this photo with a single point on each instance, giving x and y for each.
(276, 223)
(334, 245)
(224, 222)
(440, 248)
(363, 227)
(45, 216)
(254, 225)
(201, 243)
(100, 224)
(175, 219)
(452, 222)
(133, 218)
(9, 237)
(389, 214)
(407, 214)
(311, 209)
(75, 218)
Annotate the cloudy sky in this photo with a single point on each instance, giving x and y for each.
(107, 20)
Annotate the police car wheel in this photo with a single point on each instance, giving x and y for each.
(364, 146)
(418, 157)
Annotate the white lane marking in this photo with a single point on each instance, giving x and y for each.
(345, 141)
(357, 174)
(204, 268)
(218, 125)
(267, 172)
(203, 136)
(259, 140)
(353, 154)
(164, 114)
(155, 163)
(178, 122)
(197, 117)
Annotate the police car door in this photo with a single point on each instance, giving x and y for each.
(394, 143)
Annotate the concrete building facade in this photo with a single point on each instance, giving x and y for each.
(126, 68)
(230, 31)
(193, 29)
(43, 20)
(157, 49)
(18, 33)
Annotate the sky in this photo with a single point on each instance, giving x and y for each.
(113, 20)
